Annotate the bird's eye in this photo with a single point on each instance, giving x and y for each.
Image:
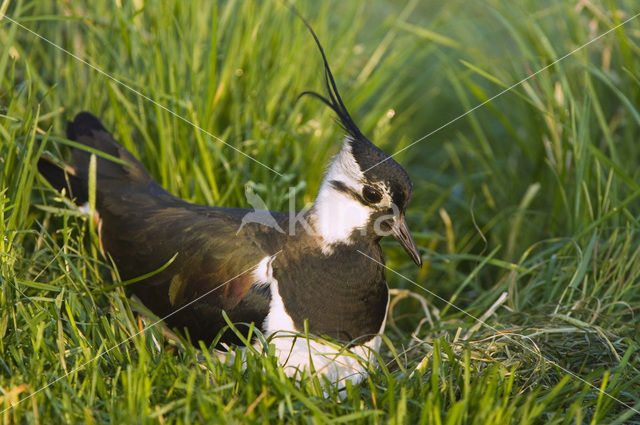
(371, 194)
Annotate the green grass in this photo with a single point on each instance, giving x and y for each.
(535, 195)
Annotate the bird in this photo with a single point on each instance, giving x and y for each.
(317, 273)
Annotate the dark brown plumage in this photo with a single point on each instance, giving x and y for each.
(142, 227)
(319, 280)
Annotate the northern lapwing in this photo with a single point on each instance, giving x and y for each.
(308, 273)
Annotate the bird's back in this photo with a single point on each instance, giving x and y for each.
(142, 227)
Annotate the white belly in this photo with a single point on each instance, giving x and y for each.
(298, 353)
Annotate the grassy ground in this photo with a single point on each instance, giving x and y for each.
(527, 208)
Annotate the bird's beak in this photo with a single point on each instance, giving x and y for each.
(400, 232)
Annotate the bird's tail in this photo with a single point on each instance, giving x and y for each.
(117, 169)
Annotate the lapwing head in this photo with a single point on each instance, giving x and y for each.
(365, 192)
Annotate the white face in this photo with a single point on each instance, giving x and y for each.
(337, 213)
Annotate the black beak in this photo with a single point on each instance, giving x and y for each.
(400, 232)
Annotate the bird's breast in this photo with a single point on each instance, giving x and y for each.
(343, 295)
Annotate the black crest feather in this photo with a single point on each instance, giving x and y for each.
(373, 161)
(334, 101)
